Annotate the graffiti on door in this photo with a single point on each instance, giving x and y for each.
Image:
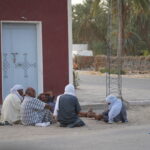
(25, 65)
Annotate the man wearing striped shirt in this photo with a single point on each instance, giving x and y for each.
(34, 111)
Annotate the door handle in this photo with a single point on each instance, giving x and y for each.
(14, 56)
(19, 65)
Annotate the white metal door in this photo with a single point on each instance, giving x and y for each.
(19, 55)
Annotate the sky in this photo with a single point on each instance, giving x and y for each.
(77, 1)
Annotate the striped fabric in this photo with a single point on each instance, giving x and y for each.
(32, 111)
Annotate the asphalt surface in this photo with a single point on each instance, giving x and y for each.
(92, 88)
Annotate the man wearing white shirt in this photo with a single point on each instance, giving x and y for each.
(12, 104)
(67, 109)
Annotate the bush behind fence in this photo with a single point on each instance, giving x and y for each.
(131, 64)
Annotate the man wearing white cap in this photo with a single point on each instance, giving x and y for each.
(67, 109)
(11, 106)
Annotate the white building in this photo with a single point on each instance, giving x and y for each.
(81, 50)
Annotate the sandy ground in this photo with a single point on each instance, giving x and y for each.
(96, 135)
(137, 116)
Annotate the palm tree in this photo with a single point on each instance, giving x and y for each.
(89, 23)
(125, 9)
(123, 5)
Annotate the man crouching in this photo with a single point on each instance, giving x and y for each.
(67, 109)
(34, 111)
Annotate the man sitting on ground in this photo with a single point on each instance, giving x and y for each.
(11, 106)
(48, 98)
(34, 111)
(67, 109)
(116, 110)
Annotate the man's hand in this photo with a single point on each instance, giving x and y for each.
(48, 107)
(55, 119)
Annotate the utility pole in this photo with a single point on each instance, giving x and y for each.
(120, 28)
(120, 45)
(114, 82)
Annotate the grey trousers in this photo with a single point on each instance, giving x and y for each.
(122, 116)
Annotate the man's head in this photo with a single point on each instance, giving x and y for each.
(17, 88)
(42, 97)
(20, 92)
(49, 93)
(111, 99)
(69, 89)
(30, 92)
(49, 96)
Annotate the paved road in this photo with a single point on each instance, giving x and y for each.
(127, 138)
(92, 88)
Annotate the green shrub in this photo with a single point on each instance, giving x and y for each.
(99, 48)
(112, 71)
(146, 52)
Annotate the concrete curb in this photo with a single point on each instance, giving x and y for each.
(139, 103)
(103, 105)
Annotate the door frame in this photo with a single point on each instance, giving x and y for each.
(70, 59)
(39, 51)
